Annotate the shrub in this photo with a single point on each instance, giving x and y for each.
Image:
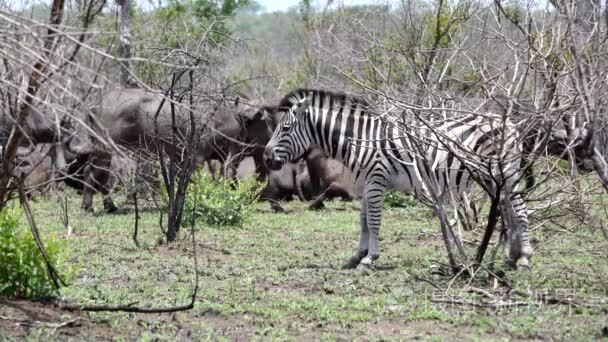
(23, 272)
(220, 203)
(396, 199)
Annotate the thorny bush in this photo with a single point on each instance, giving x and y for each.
(396, 199)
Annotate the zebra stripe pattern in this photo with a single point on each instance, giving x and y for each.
(383, 156)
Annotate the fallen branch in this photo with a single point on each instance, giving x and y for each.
(505, 300)
(482, 292)
(426, 280)
(559, 299)
(123, 308)
(54, 326)
(494, 305)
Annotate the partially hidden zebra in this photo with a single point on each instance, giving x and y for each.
(386, 155)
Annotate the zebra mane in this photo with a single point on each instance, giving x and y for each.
(293, 97)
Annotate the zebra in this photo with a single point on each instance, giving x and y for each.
(381, 157)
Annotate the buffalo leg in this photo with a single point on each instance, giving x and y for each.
(108, 203)
(228, 166)
(104, 181)
(88, 190)
(260, 167)
(212, 169)
(272, 195)
(318, 204)
(99, 178)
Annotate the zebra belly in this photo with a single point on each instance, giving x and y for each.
(358, 187)
(410, 183)
(403, 183)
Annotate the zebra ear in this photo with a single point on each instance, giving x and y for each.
(308, 100)
(302, 106)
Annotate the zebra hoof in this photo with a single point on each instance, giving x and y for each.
(350, 264)
(365, 268)
(523, 264)
(366, 265)
(354, 261)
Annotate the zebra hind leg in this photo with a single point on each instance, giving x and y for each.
(518, 249)
(467, 213)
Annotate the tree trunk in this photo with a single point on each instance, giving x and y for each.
(126, 70)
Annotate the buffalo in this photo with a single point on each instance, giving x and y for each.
(35, 168)
(39, 129)
(40, 153)
(124, 172)
(329, 178)
(143, 121)
(316, 177)
(290, 181)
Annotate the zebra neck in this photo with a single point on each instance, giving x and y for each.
(333, 132)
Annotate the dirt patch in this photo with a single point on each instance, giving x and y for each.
(20, 318)
(228, 326)
(419, 330)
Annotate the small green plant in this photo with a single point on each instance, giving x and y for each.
(23, 272)
(396, 199)
(220, 203)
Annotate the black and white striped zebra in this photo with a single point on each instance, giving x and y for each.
(383, 155)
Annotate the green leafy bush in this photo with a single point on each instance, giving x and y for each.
(23, 272)
(220, 203)
(396, 199)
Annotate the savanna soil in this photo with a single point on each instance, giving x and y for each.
(279, 277)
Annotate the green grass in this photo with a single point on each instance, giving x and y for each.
(279, 277)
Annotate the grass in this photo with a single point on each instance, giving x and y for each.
(279, 277)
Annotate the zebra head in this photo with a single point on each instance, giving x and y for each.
(291, 137)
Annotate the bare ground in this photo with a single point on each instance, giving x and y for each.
(280, 278)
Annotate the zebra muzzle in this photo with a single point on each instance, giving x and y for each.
(274, 164)
(272, 161)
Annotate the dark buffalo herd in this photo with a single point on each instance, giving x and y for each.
(233, 135)
(141, 124)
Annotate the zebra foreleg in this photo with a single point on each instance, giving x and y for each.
(374, 203)
(361, 252)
